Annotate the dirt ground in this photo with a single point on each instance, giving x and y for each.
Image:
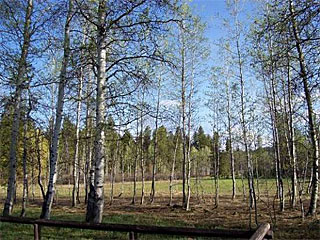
(230, 214)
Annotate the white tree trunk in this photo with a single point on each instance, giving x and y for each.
(135, 162)
(189, 137)
(37, 133)
(291, 139)
(155, 145)
(96, 196)
(183, 115)
(142, 150)
(234, 188)
(216, 152)
(311, 121)
(76, 163)
(174, 165)
(24, 164)
(252, 198)
(88, 162)
(21, 78)
(47, 204)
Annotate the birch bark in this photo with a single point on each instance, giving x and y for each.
(155, 145)
(96, 195)
(76, 163)
(311, 121)
(21, 79)
(47, 203)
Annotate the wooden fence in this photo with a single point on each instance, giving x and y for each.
(263, 232)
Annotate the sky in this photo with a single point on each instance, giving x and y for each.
(212, 12)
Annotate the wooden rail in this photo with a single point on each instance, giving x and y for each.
(263, 232)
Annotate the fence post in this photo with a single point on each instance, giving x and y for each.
(133, 236)
(261, 232)
(36, 231)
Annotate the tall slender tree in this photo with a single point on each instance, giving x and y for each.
(311, 119)
(20, 81)
(155, 141)
(76, 162)
(47, 203)
(96, 194)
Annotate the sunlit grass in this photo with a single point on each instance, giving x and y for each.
(203, 186)
(288, 223)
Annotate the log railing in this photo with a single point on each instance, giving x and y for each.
(263, 232)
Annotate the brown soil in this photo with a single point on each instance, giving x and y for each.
(230, 214)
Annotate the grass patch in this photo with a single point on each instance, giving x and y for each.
(229, 215)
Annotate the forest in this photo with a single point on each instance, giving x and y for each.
(128, 111)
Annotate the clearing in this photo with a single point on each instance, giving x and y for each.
(231, 214)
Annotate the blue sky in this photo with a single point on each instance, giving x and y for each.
(212, 12)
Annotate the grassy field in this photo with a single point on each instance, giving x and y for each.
(229, 215)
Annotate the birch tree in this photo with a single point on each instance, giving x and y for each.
(239, 61)
(96, 194)
(292, 53)
(76, 162)
(311, 118)
(191, 49)
(230, 139)
(155, 140)
(25, 156)
(47, 203)
(21, 80)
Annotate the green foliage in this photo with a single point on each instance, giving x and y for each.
(5, 136)
(200, 139)
(5, 133)
(224, 165)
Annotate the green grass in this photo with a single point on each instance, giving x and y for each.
(23, 231)
(205, 187)
(228, 215)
